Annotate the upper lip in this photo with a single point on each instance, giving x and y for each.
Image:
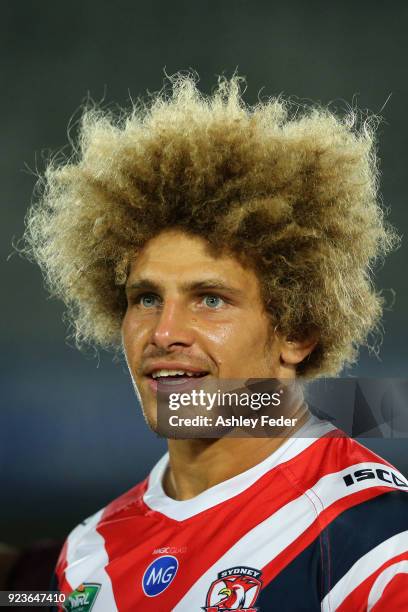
(171, 365)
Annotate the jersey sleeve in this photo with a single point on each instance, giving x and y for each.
(368, 554)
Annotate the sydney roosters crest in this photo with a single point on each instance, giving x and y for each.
(236, 588)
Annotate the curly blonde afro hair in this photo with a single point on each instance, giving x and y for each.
(291, 190)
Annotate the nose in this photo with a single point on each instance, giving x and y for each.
(172, 327)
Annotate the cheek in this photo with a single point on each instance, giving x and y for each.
(219, 335)
(234, 345)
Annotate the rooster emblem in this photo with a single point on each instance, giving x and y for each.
(234, 592)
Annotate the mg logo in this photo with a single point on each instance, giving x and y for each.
(159, 575)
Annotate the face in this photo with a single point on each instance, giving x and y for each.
(191, 314)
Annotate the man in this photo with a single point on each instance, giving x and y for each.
(215, 241)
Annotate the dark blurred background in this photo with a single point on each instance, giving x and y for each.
(71, 434)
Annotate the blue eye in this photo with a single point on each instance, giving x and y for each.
(148, 300)
(213, 301)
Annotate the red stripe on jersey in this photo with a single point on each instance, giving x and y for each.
(130, 542)
(358, 598)
(395, 595)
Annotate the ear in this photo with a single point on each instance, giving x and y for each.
(293, 352)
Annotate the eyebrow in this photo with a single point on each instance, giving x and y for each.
(145, 284)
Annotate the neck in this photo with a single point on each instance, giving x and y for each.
(198, 464)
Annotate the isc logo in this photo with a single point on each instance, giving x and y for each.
(159, 575)
(380, 474)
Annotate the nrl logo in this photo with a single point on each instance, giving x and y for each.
(83, 598)
(236, 588)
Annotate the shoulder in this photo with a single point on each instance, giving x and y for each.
(85, 541)
(363, 500)
(335, 469)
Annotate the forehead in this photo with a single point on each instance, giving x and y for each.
(176, 256)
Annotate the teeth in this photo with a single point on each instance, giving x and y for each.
(163, 373)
